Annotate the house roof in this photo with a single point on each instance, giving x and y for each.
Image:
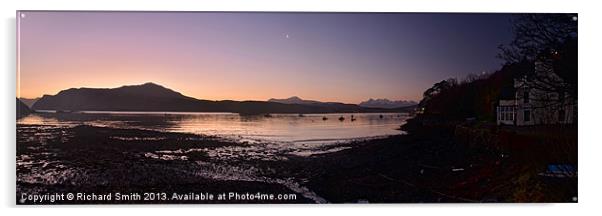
(507, 93)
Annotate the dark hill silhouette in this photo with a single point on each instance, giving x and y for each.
(145, 97)
(153, 97)
(331, 105)
(22, 109)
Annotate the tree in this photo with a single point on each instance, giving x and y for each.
(535, 34)
(550, 42)
(437, 89)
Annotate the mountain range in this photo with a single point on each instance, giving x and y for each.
(293, 100)
(153, 97)
(385, 103)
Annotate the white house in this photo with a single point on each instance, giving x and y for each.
(532, 106)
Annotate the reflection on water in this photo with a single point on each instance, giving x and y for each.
(276, 128)
(269, 138)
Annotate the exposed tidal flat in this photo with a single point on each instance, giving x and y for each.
(429, 166)
(109, 153)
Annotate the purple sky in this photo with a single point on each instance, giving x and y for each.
(346, 57)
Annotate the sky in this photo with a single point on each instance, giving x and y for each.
(344, 57)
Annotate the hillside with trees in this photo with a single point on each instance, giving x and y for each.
(548, 40)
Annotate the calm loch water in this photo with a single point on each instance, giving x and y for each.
(277, 128)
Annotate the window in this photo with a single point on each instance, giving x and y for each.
(526, 96)
(561, 115)
(506, 113)
(527, 115)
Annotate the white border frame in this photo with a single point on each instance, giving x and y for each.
(589, 78)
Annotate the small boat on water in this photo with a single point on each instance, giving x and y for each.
(341, 118)
(324, 118)
(301, 115)
(267, 115)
